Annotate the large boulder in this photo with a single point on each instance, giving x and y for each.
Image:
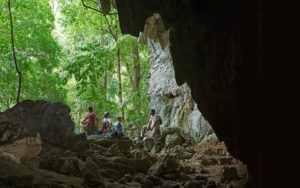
(19, 175)
(28, 118)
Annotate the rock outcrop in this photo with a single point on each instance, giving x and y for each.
(174, 103)
(52, 121)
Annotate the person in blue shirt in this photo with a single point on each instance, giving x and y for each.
(118, 128)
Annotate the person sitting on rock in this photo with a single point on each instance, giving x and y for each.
(105, 126)
(118, 130)
(153, 125)
(90, 121)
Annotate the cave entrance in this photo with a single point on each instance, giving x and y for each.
(87, 61)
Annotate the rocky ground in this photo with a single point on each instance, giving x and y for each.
(43, 158)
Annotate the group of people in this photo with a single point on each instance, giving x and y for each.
(91, 126)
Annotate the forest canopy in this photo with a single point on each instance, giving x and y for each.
(71, 53)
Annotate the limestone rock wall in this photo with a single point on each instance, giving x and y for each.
(174, 103)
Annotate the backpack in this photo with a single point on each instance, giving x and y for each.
(160, 120)
(101, 128)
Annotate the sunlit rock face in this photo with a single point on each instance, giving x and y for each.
(173, 103)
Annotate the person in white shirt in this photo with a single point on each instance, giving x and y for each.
(106, 124)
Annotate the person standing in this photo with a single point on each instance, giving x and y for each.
(106, 124)
(90, 121)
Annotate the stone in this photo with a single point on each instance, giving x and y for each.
(3, 127)
(169, 130)
(204, 178)
(147, 184)
(115, 150)
(211, 184)
(140, 154)
(81, 146)
(193, 184)
(6, 136)
(128, 177)
(157, 148)
(91, 175)
(122, 180)
(9, 157)
(123, 165)
(209, 161)
(138, 177)
(177, 150)
(132, 130)
(204, 171)
(12, 175)
(112, 174)
(187, 169)
(173, 140)
(138, 143)
(70, 166)
(148, 143)
(184, 177)
(228, 174)
(225, 161)
(171, 185)
(165, 165)
(172, 177)
(186, 155)
(157, 181)
(124, 143)
(23, 149)
(102, 141)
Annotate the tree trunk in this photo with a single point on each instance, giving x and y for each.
(105, 84)
(13, 51)
(137, 72)
(79, 115)
(8, 103)
(104, 6)
(130, 74)
(119, 80)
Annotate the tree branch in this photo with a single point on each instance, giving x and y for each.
(13, 51)
(94, 9)
(107, 21)
(110, 29)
